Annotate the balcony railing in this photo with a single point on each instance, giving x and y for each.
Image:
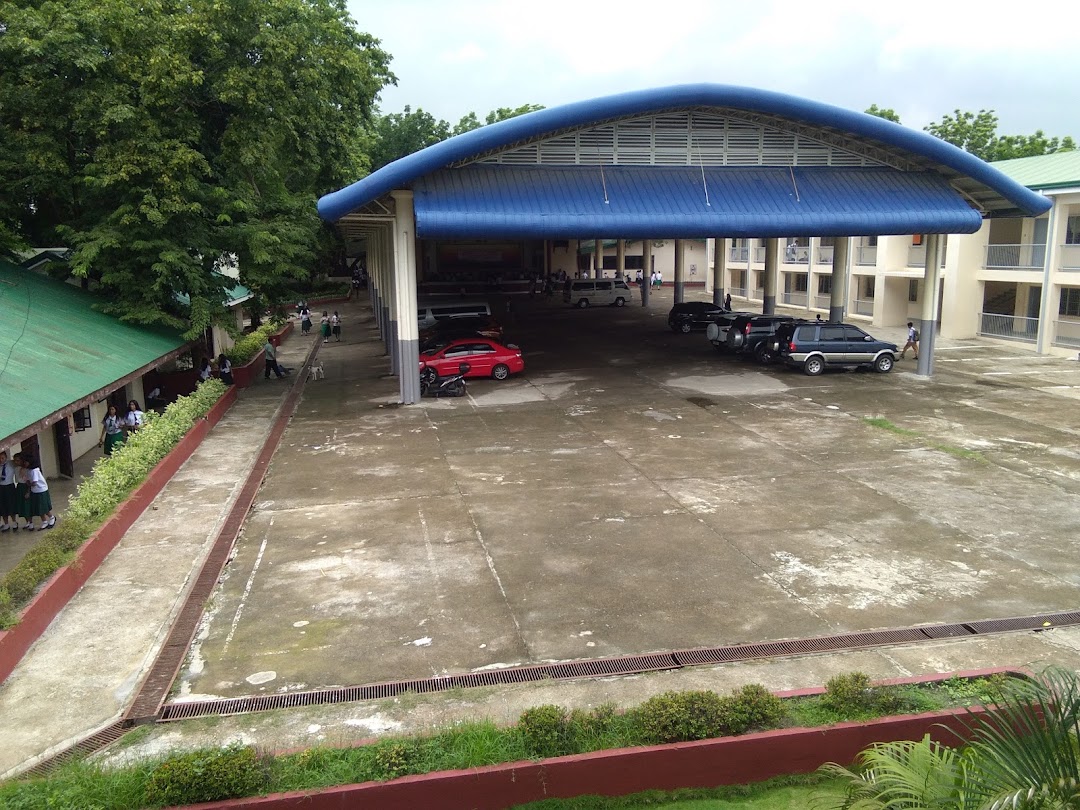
(793, 299)
(824, 254)
(864, 306)
(866, 255)
(796, 254)
(1015, 257)
(1070, 257)
(759, 254)
(1008, 327)
(758, 293)
(822, 301)
(739, 254)
(916, 256)
(1066, 333)
(738, 292)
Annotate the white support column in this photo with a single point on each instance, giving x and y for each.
(680, 271)
(772, 276)
(408, 333)
(841, 273)
(646, 272)
(620, 258)
(719, 269)
(598, 258)
(928, 323)
(391, 301)
(813, 245)
(1050, 261)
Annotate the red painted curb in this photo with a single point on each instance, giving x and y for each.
(65, 583)
(708, 763)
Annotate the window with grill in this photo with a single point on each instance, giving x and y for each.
(1069, 304)
(913, 290)
(1072, 231)
(82, 420)
(868, 286)
(824, 285)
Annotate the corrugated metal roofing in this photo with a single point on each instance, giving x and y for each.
(1059, 170)
(541, 202)
(56, 349)
(995, 191)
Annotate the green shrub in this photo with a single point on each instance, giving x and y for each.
(546, 731)
(249, 345)
(395, 758)
(112, 480)
(681, 716)
(849, 694)
(752, 707)
(208, 775)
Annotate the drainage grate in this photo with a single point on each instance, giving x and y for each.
(601, 667)
(84, 747)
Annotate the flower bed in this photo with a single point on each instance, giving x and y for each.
(106, 505)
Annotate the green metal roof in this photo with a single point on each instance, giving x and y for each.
(1059, 170)
(235, 293)
(56, 349)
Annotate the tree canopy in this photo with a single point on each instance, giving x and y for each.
(159, 139)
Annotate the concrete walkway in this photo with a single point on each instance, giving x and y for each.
(83, 672)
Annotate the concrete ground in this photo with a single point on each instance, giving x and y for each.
(634, 491)
(631, 491)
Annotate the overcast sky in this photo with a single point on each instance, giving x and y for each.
(923, 59)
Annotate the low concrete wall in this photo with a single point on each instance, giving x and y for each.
(246, 374)
(708, 763)
(65, 583)
(278, 337)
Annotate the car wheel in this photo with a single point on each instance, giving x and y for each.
(428, 374)
(620, 302)
(884, 364)
(763, 354)
(685, 328)
(814, 366)
(584, 302)
(501, 371)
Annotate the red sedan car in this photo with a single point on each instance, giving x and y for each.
(486, 358)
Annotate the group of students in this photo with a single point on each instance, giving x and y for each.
(24, 493)
(114, 427)
(224, 368)
(329, 325)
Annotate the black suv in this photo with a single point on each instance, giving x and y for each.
(813, 346)
(749, 334)
(693, 316)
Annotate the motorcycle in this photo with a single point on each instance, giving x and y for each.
(432, 385)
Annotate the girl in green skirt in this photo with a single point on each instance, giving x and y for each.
(112, 431)
(324, 327)
(38, 495)
(22, 492)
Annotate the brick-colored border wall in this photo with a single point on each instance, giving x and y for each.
(708, 763)
(65, 583)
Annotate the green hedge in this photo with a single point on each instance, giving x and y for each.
(112, 480)
(249, 345)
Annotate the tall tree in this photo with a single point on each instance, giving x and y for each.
(157, 138)
(399, 134)
(977, 133)
(887, 113)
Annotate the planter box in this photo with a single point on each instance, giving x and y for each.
(278, 337)
(618, 772)
(65, 583)
(246, 374)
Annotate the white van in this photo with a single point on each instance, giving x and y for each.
(600, 292)
(429, 313)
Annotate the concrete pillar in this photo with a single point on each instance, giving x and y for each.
(772, 276)
(719, 269)
(547, 258)
(841, 273)
(408, 333)
(680, 271)
(385, 296)
(927, 323)
(620, 258)
(646, 263)
(598, 259)
(1055, 237)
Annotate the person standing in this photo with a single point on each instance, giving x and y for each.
(305, 320)
(112, 431)
(727, 302)
(270, 356)
(38, 495)
(135, 417)
(22, 492)
(324, 327)
(224, 369)
(912, 341)
(205, 370)
(8, 504)
(335, 326)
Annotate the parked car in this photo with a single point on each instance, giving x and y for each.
(485, 357)
(691, 316)
(717, 329)
(599, 292)
(749, 334)
(815, 346)
(442, 332)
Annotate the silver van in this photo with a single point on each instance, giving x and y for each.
(599, 292)
(429, 313)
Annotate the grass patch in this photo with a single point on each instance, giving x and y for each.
(957, 452)
(885, 424)
(542, 731)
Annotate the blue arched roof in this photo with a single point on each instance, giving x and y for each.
(919, 145)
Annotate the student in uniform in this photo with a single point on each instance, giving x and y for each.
(206, 371)
(38, 495)
(8, 504)
(224, 369)
(135, 417)
(112, 431)
(335, 326)
(324, 327)
(22, 492)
